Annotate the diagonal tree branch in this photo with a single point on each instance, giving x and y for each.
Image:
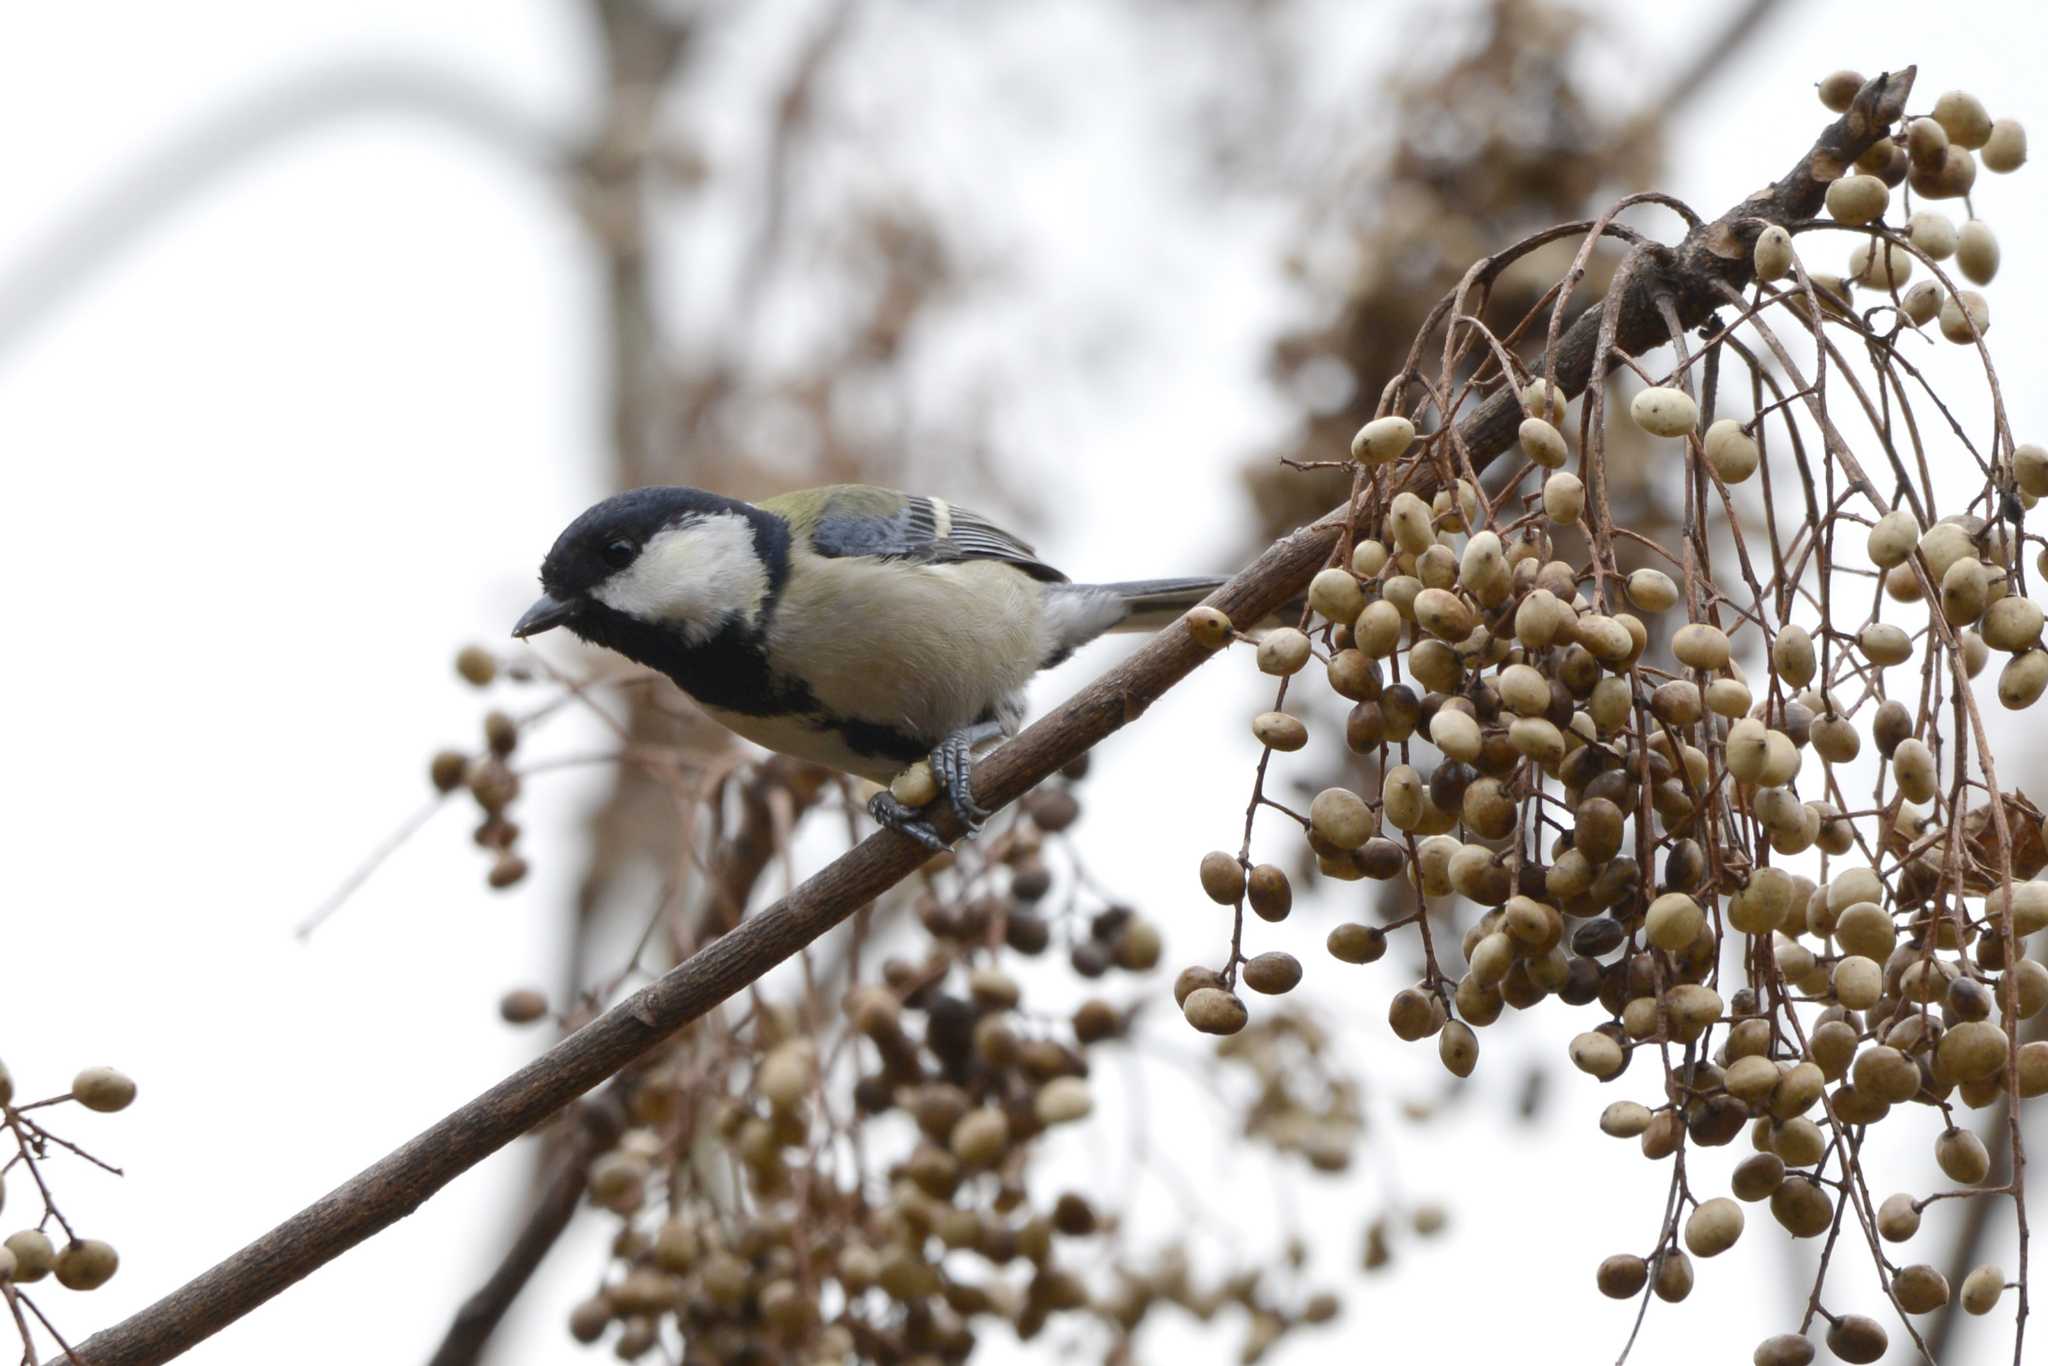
(1713, 256)
(597, 1126)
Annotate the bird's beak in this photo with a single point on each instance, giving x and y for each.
(545, 614)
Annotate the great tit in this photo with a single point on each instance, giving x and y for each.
(857, 627)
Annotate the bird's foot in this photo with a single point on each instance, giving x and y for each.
(891, 814)
(953, 769)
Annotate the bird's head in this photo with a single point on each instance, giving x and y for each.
(675, 561)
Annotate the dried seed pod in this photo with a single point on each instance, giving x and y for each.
(1209, 626)
(1982, 1289)
(1278, 730)
(1443, 614)
(86, 1264)
(103, 1089)
(1222, 877)
(1378, 630)
(2012, 624)
(1270, 893)
(1622, 1276)
(1857, 199)
(1213, 1010)
(1673, 1279)
(1951, 179)
(33, 1253)
(1335, 594)
(1353, 943)
(1926, 143)
(1921, 302)
(1598, 1055)
(1920, 1289)
(1274, 974)
(1933, 232)
(1713, 1227)
(1884, 644)
(1543, 443)
(1977, 252)
(1913, 768)
(1701, 646)
(1898, 1218)
(1962, 116)
(2005, 150)
(1383, 440)
(1757, 1177)
(1962, 1157)
(1880, 265)
(1664, 411)
(1965, 316)
(2023, 679)
(1564, 498)
(1652, 590)
(1838, 90)
(1857, 1339)
(1410, 521)
(1283, 652)
(1415, 1014)
(1784, 1349)
(1458, 1048)
(1193, 979)
(1340, 817)
(1772, 255)
(1544, 400)
(1802, 1206)
(1731, 451)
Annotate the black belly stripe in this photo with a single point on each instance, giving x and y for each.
(872, 740)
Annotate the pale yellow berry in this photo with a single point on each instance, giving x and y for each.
(1963, 117)
(1921, 302)
(1838, 89)
(1564, 498)
(1713, 1227)
(103, 1089)
(1383, 440)
(1664, 411)
(1965, 316)
(1543, 443)
(1977, 252)
(2006, 149)
(1283, 652)
(1209, 626)
(1772, 255)
(1335, 594)
(1857, 199)
(1982, 1289)
(1730, 450)
(1652, 590)
(1341, 817)
(1700, 645)
(1892, 539)
(1544, 401)
(1933, 232)
(2030, 469)
(1888, 268)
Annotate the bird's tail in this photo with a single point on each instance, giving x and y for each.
(1079, 612)
(1149, 604)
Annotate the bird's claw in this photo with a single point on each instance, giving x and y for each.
(953, 767)
(891, 814)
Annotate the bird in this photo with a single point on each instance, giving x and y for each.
(850, 625)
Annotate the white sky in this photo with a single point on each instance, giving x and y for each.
(312, 431)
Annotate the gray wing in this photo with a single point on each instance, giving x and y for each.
(892, 526)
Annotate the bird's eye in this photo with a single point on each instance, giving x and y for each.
(619, 554)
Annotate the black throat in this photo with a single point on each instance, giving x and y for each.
(728, 669)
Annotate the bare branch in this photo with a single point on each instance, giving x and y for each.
(1691, 277)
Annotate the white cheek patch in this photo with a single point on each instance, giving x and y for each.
(695, 576)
